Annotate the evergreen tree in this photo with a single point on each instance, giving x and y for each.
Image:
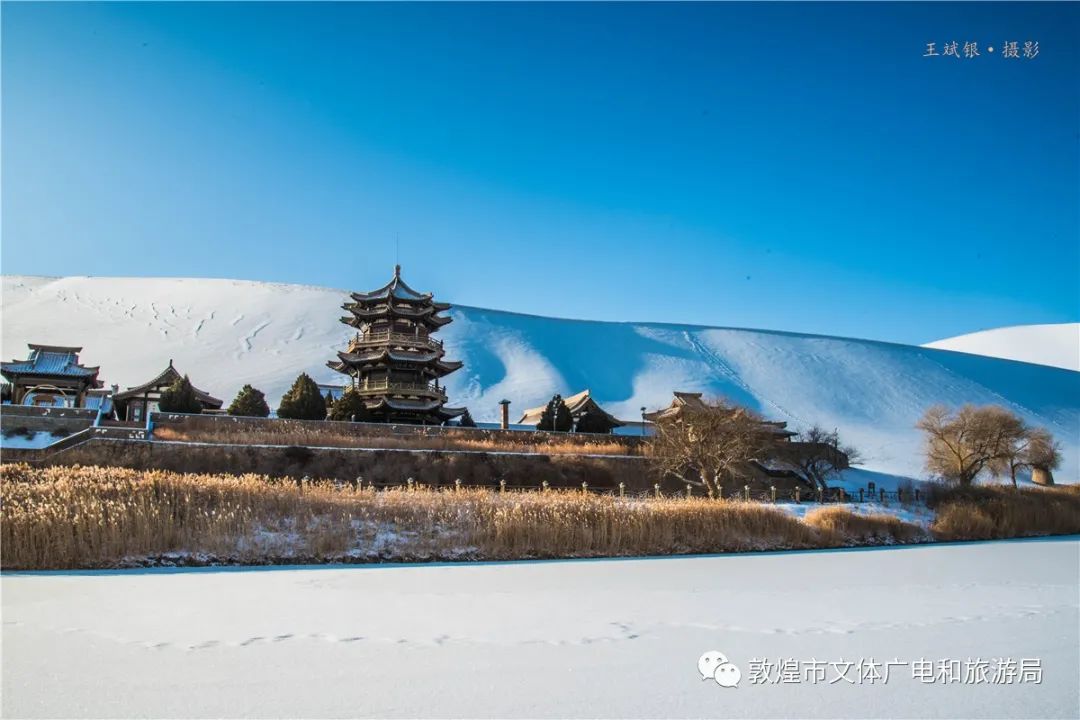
(593, 422)
(249, 402)
(180, 397)
(556, 416)
(303, 401)
(329, 400)
(466, 420)
(350, 406)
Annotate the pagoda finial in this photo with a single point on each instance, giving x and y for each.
(397, 272)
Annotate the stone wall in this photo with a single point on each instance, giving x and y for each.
(379, 466)
(221, 427)
(60, 421)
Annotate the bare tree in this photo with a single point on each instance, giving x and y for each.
(1026, 448)
(961, 445)
(709, 443)
(818, 455)
(1013, 436)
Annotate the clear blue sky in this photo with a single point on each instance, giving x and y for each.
(789, 166)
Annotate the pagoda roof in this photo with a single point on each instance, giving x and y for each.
(397, 289)
(380, 354)
(405, 404)
(363, 313)
(420, 406)
(167, 377)
(54, 360)
(578, 404)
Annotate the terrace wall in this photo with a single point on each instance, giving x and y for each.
(383, 467)
(62, 421)
(221, 427)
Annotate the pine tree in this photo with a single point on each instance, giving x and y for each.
(350, 406)
(180, 397)
(303, 401)
(466, 420)
(556, 416)
(593, 422)
(249, 402)
(329, 400)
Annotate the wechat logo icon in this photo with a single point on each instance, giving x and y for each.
(714, 665)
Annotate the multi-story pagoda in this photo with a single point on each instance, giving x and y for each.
(394, 362)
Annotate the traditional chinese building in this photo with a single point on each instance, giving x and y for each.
(135, 403)
(580, 405)
(50, 377)
(684, 402)
(393, 361)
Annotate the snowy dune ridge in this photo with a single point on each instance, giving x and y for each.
(225, 333)
(1054, 345)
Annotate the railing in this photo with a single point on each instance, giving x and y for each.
(833, 495)
(388, 385)
(383, 336)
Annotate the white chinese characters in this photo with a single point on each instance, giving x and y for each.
(868, 671)
(1010, 49)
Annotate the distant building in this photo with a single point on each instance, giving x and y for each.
(50, 377)
(394, 362)
(580, 405)
(135, 403)
(689, 402)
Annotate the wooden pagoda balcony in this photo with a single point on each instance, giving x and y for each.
(387, 387)
(384, 337)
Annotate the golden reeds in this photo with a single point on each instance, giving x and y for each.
(85, 517)
(1002, 511)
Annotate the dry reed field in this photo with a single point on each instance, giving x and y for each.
(88, 517)
(341, 435)
(1001, 511)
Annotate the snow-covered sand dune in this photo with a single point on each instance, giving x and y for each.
(226, 333)
(1055, 345)
(608, 638)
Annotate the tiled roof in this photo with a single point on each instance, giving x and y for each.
(694, 403)
(396, 288)
(50, 360)
(577, 404)
(167, 377)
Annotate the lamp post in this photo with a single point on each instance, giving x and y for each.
(642, 421)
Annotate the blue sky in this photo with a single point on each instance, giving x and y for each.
(789, 166)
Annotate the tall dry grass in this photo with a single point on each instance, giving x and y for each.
(86, 517)
(68, 517)
(987, 512)
(840, 526)
(342, 435)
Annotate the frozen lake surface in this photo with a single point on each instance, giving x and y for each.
(601, 638)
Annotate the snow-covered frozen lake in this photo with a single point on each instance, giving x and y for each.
(597, 638)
